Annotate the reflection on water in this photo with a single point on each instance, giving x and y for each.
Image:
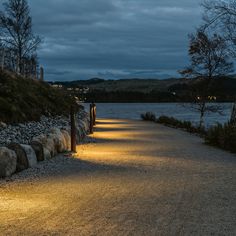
(133, 111)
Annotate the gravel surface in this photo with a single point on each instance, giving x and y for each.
(24, 133)
(131, 178)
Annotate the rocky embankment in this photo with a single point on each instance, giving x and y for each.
(22, 146)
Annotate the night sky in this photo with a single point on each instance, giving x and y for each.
(114, 39)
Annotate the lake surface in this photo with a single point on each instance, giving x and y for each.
(179, 111)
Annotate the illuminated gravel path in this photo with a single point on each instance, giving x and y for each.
(137, 179)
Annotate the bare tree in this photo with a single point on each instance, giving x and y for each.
(221, 16)
(210, 58)
(16, 31)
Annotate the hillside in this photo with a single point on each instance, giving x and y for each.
(150, 90)
(24, 100)
(132, 85)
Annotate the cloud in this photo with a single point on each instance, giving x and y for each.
(88, 38)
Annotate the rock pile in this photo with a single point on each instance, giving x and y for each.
(22, 146)
(24, 133)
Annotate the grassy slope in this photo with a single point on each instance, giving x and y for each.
(25, 99)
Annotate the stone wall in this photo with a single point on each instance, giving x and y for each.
(16, 157)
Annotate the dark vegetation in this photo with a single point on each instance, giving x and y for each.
(24, 100)
(221, 136)
(173, 122)
(149, 116)
(185, 125)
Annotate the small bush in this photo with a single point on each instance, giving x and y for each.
(222, 136)
(149, 116)
(185, 125)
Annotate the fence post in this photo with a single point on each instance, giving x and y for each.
(91, 119)
(73, 129)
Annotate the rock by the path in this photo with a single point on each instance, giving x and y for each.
(24, 133)
(3, 125)
(47, 143)
(22, 160)
(47, 154)
(31, 156)
(8, 162)
(81, 132)
(67, 139)
(38, 149)
(59, 140)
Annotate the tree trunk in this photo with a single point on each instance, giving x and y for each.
(202, 113)
(201, 121)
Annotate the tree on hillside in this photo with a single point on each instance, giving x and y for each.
(16, 31)
(210, 58)
(221, 16)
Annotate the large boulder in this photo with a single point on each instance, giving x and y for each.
(51, 146)
(22, 160)
(79, 133)
(8, 160)
(38, 149)
(67, 138)
(47, 154)
(59, 140)
(47, 142)
(84, 125)
(31, 156)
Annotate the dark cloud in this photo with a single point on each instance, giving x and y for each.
(114, 38)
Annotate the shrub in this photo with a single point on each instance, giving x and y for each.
(149, 116)
(222, 136)
(185, 125)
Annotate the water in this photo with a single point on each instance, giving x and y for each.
(134, 110)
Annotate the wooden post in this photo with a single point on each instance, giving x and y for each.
(94, 114)
(73, 129)
(91, 119)
(41, 74)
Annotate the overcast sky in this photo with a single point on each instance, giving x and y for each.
(114, 38)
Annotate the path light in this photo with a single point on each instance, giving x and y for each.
(73, 129)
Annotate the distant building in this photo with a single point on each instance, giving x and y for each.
(58, 86)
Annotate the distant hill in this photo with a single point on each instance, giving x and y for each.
(134, 85)
(149, 90)
(90, 82)
(24, 99)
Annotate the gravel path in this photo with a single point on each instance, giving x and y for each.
(133, 178)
